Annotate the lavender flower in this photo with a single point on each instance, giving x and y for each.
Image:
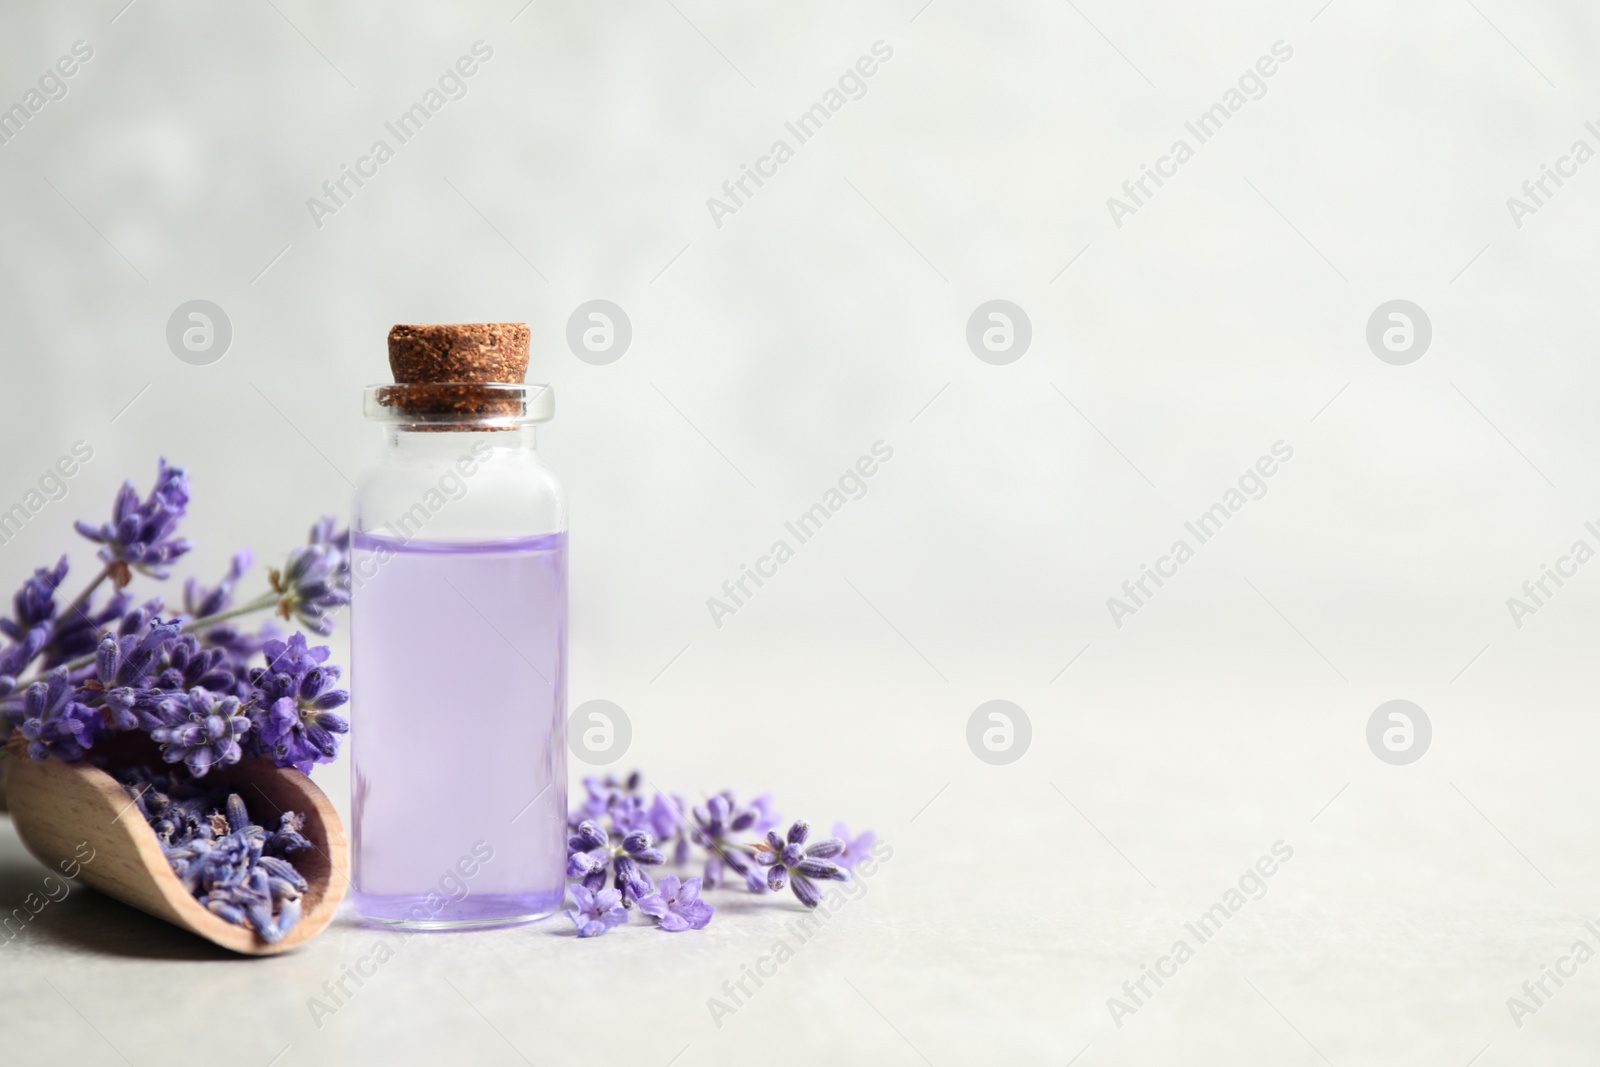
(200, 601)
(124, 675)
(597, 912)
(588, 854)
(789, 859)
(184, 664)
(203, 602)
(14, 658)
(767, 817)
(77, 632)
(591, 852)
(715, 825)
(617, 800)
(856, 848)
(35, 603)
(670, 825)
(636, 851)
(294, 719)
(240, 644)
(70, 633)
(200, 730)
(33, 626)
(132, 623)
(134, 658)
(311, 586)
(326, 533)
(55, 724)
(676, 906)
(140, 535)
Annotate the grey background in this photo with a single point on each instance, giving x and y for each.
(767, 355)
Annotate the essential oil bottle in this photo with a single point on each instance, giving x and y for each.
(459, 640)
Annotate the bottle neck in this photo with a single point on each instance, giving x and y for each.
(442, 444)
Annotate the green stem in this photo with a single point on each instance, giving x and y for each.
(260, 603)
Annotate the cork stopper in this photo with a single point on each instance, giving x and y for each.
(459, 352)
(437, 368)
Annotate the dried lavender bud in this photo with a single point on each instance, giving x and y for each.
(822, 870)
(287, 837)
(289, 915)
(589, 836)
(806, 891)
(284, 871)
(222, 909)
(826, 848)
(107, 659)
(630, 880)
(582, 865)
(219, 853)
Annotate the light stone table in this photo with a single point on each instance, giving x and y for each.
(1019, 900)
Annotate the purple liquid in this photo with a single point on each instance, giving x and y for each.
(458, 729)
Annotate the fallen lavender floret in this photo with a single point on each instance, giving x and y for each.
(597, 912)
(857, 847)
(676, 906)
(234, 867)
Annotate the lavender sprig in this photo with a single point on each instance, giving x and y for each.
(789, 859)
(717, 826)
(141, 535)
(188, 681)
(615, 834)
(591, 852)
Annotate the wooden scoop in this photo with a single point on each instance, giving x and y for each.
(58, 808)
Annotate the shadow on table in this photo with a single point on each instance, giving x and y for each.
(48, 909)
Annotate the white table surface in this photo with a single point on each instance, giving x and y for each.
(1016, 902)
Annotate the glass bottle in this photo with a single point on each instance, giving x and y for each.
(459, 662)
